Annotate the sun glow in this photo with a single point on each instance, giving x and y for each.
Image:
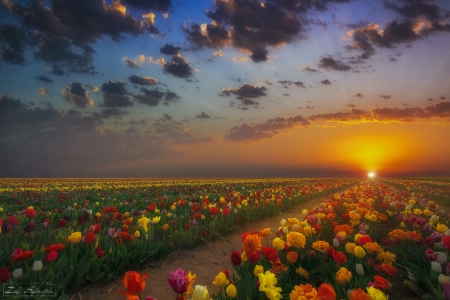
(371, 174)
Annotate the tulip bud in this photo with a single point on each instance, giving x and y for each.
(436, 267)
(283, 222)
(359, 269)
(37, 266)
(17, 273)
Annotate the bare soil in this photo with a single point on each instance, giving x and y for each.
(207, 261)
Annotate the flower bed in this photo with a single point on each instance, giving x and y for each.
(71, 232)
(350, 247)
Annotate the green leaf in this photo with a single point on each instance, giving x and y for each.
(244, 289)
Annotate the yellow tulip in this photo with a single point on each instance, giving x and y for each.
(221, 280)
(258, 270)
(359, 252)
(231, 291)
(75, 237)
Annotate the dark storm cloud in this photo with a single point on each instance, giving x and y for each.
(84, 20)
(203, 116)
(75, 93)
(171, 96)
(326, 82)
(12, 43)
(63, 55)
(329, 63)
(265, 130)
(259, 55)
(114, 87)
(178, 67)
(246, 90)
(161, 5)
(170, 50)
(115, 94)
(247, 25)
(142, 80)
(44, 78)
(108, 113)
(149, 97)
(61, 34)
(415, 9)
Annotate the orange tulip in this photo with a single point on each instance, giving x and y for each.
(359, 294)
(292, 257)
(326, 292)
(134, 283)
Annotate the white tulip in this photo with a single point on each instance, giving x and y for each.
(359, 269)
(336, 243)
(17, 273)
(37, 266)
(447, 232)
(435, 266)
(283, 222)
(285, 230)
(442, 258)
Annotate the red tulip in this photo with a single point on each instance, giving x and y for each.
(89, 238)
(134, 283)
(30, 213)
(4, 274)
(51, 256)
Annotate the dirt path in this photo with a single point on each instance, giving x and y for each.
(206, 261)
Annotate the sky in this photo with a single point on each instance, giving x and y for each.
(225, 88)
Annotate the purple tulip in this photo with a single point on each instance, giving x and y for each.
(427, 227)
(178, 281)
(436, 237)
(421, 221)
(430, 254)
(446, 291)
(447, 269)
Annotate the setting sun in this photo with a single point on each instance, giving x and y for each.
(371, 174)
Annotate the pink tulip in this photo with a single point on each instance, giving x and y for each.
(178, 281)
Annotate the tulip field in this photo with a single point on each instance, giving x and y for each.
(368, 238)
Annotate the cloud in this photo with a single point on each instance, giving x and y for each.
(203, 116)
(134, 63)
(343, 116)
(250, 26)
(178, 67)
(161, 5)
(326, 82)
(44, 78)
(218, 53)
(167, 117)
(64, 56)
(171, 96)
(259, 55)
(108, 113)
(246, 90)
(300, 84)
(43, 91)
(265, 130)
(186, 137)
(149, 97)
(115, 94)
(359, 95)
(170, 50)
(308, 68)
(12, 43)
(142, 80)
(137, 123)
(329, 63)
(76, 93)
(386, 96)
